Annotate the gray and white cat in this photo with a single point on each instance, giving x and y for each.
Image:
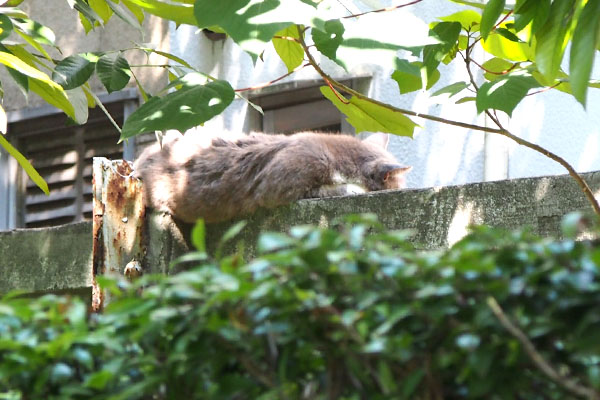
(221, 178)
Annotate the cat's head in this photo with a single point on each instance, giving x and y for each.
(381, 170)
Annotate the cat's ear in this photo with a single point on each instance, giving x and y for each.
(391, 170)
(378, 139)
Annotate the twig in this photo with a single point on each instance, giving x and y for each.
(386, 9)
(265, 84)
(508, 14)
(544, 89)
(566, 382)
(506, 71)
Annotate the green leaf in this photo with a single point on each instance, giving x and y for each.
(180, 13)
(504, 93)
(232, 231)
(496, 67)
(22, 67)
(583, 49)
(88, 17)
(408, 80)
(506, 33)
(21, 80)
(169, 56)
(290, 52)
(135, 10)
(464, 100)
(53, 94)
(192, 105)
(252, 23)
(551, 38)
(408, 76)
(330, 38)
(199, 236)
(122, 13)
(73, 71)
(25, 164)
(37, 31)
(411, 382)
(365, 115)
(492, 11)
(468, 19)
(6, 26)
(271, 241)
(113, 71)
(78, 99)
(101, 8)
(452, 89)
(475, 4)
(527, 11)
(32, 42)
(99, 380)
(499, 46)
(447, 33)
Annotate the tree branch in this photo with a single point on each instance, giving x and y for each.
(566, 382)
(353, 92)
(265, 84)
(386, 9)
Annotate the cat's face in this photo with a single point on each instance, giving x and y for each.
(382, 171)
(382, 176)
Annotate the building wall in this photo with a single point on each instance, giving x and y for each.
(441, 154)
(71, 39)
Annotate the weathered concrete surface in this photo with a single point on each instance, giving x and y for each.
(46, 259)
(61, 258)
(439, 216)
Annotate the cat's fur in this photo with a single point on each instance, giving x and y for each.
(222, 178)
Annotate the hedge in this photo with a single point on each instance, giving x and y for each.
(349, 312)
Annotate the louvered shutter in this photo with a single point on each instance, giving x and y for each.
(62, 154)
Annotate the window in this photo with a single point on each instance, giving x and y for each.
(299, 106)
(62, 154)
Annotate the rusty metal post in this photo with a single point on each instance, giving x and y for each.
(118, 223)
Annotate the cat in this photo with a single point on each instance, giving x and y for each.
(222, 178)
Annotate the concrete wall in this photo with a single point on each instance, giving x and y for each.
(441, 154)
(61, 258)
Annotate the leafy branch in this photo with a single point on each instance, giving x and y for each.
(334, 83)
(504, 132)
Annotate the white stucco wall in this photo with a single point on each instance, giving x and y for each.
(440, 154)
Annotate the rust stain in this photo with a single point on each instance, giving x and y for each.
(124, 168)
(98, 266)
(115, 238)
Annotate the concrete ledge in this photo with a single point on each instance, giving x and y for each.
(56, 259)
(46, 259)
(439, 216)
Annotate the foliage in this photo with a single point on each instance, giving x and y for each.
(348, 312)
(527, 42)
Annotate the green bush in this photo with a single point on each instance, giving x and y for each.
(351, 312)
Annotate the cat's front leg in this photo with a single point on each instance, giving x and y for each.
(345, 189)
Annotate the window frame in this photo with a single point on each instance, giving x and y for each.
(13, 178)
(298, 97)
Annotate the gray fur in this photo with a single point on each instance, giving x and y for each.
(230, 177)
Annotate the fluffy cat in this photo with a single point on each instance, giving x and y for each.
(222, 178)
